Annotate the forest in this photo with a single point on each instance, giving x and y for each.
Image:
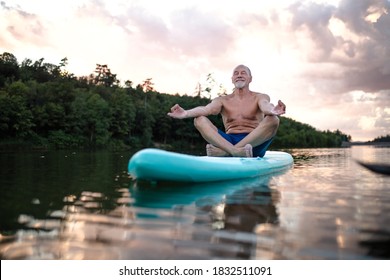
(42, 106)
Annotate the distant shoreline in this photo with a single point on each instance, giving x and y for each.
(376, 144)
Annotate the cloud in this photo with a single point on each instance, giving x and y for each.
(188, 31)
(21, 26)
(200, 33)
(186, 40)
(314, 18)
(347, 52)
(362, 50)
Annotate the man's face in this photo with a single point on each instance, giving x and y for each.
(241, 78)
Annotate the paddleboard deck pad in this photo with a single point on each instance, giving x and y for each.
(160, 165)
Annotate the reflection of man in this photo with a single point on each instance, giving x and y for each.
(249, 118)
(242, 212)
(257, 208)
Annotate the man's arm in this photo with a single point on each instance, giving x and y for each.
(213, 108)
(269, 109)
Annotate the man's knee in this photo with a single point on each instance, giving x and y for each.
(272, 122)
(200, 121)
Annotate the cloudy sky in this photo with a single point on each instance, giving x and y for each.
(328, 60)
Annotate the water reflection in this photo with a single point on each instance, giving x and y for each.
(201, 221)
(340, 203)
(248, 214)
(326, 207)
(222, 216)
(374, 158)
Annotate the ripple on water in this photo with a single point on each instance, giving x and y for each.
(326, 207)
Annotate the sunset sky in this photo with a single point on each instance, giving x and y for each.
(329, 61)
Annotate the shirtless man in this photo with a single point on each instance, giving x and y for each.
(249, 118)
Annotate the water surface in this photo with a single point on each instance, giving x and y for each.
(64, 205)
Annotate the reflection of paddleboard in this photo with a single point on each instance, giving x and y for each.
(168, 194)
(378, 168)
(160, 165)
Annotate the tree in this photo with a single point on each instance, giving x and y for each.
(42, 101)
(104, 76)
(15, 118)
(128, 84)
(90, 118)
(122, 114)
(147, 86)
(38, 71)
(210, 88)
(9, 68)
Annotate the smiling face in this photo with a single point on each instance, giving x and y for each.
(241, 77)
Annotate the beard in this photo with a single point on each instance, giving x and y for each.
(239, 84)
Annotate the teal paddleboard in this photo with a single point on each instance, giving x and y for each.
(160, 165)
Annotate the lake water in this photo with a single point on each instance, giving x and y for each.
(77, 205)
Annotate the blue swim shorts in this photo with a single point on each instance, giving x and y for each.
(234, 138)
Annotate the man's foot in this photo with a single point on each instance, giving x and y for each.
(213, 151)
(248, 150)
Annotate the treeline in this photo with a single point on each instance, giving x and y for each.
(381, 139)
(44, 106)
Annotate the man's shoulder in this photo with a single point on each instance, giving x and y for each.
(260, 95)
(224, 97)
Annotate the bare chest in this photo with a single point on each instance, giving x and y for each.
(245, 109)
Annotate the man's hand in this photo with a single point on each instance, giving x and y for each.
(178, 112)
(279, 109)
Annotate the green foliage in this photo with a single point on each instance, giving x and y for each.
(90, 119)
(9, 68)
(293, 134)
(42, 103)
(123, 112)
(62, 140)
(15, 118)
(104, 76)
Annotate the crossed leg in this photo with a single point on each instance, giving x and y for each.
(213, 151)
(219, 146)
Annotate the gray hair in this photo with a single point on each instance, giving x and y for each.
(244, 66)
